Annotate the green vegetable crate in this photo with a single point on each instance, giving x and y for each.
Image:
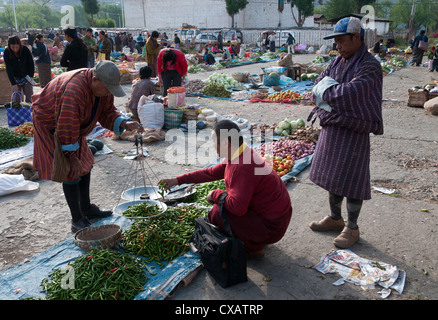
(172, 118)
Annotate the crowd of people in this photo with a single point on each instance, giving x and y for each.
(74, 102)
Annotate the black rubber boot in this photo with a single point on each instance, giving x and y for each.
(71, 192)
(90, 211)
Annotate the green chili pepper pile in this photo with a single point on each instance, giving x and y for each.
(165, 237)
(10, 139)
(200, 196)
(99, 275)
(142, 210)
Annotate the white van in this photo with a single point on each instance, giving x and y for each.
(188, 34)
(230, 35)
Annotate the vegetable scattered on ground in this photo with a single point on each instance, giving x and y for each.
(281, 148)
(25, 129)
(216, 90)
(163, 238)
(287, 126)
(281, 166)
(101, 274)
(222, 79)
(202, 190)
(10, 139)
(142, 210)
(283, 95)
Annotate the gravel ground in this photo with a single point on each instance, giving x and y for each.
(394, 229)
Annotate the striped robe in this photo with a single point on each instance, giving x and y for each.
(341, 163)
(76, 120)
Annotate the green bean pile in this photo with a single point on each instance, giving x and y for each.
(200, 196)
(99, 275)
(162, 238)
(142, 210)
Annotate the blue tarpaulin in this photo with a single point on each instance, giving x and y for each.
(23, 280)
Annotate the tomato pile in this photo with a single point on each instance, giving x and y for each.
(280, 165)
(25, 129)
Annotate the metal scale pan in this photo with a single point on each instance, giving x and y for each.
(142, 193)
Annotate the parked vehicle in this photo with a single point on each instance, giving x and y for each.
(187, 33)
(231, 35)
(205, 38)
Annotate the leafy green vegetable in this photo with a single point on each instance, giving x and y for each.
(216, 90)
(10, 139)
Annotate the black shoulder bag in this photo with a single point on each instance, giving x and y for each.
(223, 256)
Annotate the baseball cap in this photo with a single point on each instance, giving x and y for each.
(109, 74)
(349, 25)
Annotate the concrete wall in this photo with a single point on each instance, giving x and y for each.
(170, 14)
(310, 36)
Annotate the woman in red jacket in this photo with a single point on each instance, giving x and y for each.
(172, 68)
(258, 206)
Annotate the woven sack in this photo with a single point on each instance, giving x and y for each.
(285, 60)
(431, 106)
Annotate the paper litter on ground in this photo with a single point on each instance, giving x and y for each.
(364, 272)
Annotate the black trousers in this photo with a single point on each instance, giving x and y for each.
(170, 78)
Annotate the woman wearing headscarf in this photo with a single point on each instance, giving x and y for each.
(19, 64)
(76, 53)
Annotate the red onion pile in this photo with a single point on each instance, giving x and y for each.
(296, 148)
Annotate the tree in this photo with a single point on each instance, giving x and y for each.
(41, 3)
(91, 7)
(29, 16)
(305, 8)
(425, 13)
(383, 8)
(112, 11)
(338, 8)
(81, 18)
(233, 7)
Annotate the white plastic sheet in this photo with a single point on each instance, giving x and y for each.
(10, 183)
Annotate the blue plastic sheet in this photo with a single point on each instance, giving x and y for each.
(23, 280)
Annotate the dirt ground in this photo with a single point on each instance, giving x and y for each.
(395, 229)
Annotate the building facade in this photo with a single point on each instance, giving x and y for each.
(208, 14)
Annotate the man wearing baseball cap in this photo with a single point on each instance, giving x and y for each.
(348, 98)
(83, 97)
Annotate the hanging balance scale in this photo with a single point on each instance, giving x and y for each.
(145, 191)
